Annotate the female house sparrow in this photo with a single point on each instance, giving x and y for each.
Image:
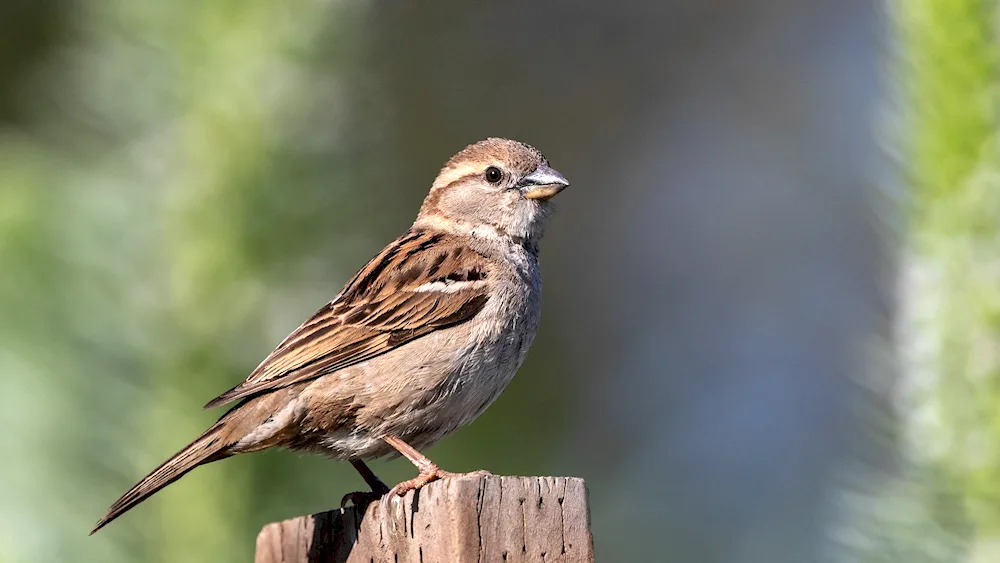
(417, 344)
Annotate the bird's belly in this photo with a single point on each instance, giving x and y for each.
(347, 443)
(444, 387)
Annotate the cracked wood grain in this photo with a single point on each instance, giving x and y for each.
(476, 519)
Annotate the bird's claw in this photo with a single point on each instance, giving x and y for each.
(360, 499)
(477, 473)
(426, 476)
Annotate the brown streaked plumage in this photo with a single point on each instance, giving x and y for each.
(417, 344)
(374, 313)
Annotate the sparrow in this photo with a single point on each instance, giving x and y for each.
(417, 344)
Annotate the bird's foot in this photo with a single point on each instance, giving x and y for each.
(427, 475)
(364, 498)
(431, 474)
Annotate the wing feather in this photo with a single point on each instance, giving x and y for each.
(377, 311)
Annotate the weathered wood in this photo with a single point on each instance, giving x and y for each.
(473, 518)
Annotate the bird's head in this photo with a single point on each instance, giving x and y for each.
(493, 187)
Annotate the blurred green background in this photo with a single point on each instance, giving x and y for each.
(772, 291)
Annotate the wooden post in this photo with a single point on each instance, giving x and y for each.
(473, 518)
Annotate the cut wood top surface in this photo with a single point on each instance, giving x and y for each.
(473, 518)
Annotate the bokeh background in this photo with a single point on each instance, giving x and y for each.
(772, 291)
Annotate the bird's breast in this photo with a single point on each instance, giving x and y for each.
(501, 336)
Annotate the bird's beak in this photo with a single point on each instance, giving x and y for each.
(543, 183)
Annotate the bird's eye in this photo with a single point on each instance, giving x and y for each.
(493, 175)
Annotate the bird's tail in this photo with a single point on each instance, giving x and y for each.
(206, 448)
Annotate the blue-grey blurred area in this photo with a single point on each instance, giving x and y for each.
(181, 183)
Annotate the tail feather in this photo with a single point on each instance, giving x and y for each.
(204, 449)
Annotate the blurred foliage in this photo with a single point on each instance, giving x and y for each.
(952, 296)
(946, 506)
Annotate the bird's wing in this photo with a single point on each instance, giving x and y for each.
(420, 283)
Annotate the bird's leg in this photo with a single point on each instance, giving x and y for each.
(428, 470)
(363, 498)
(370, 478)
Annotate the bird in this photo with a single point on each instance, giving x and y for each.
(417, 344)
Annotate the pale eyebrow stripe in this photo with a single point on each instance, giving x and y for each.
(451, 175)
